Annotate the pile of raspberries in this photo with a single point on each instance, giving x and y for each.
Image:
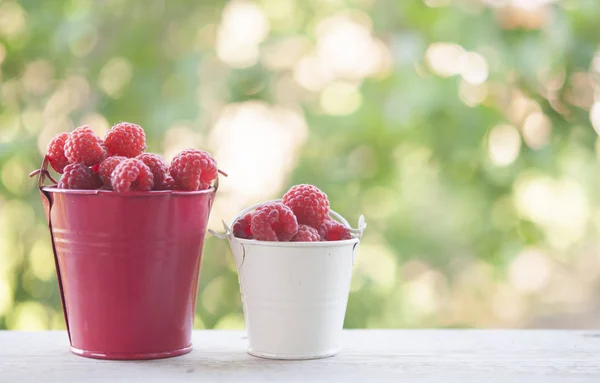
(302, 216)
(119, 163)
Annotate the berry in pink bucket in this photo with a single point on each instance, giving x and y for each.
(193, 169)
(79, 176)
(159, 169)
(92, 162)
(132, 174)
(125, 139)
(56, 152)
(121, 229)
(84, 146)
(106, 169)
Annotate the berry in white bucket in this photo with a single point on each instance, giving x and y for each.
(309, 204)
(294, 259)
(301, 216)
(274, 222)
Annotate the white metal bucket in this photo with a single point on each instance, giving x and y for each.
(294, 294)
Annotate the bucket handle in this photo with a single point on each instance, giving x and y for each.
(42, 173)
(228, 234)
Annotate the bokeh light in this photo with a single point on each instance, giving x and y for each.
(504, 144)
(243, 27)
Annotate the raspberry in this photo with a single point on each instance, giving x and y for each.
(241, 227)
(193, 170)
(332, 230)
(158, 168)
(106, 168)
(168, 183)
(84, 146)
(132, 174)
(125, 139)
(78, 176)
(306, 234)
(56, 152)
(274, 221)
(309, 204)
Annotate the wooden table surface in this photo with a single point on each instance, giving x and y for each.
(366, 356)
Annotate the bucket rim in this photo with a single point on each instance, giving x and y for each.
(129, 194)
(316, 244)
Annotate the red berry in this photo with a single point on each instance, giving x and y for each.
(193, 169)
(274, 221)
(56, 152)
(106, 168)
(125, 139)
(158, 168)
(306, 234)
(332, 230)
(168, 183)
(84, 146)
(78, 176)
(132, 174)
(309, 204)
(241, 227)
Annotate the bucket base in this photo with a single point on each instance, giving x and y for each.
(129, 356)
(267, 355)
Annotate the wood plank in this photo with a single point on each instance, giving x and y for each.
(367, 355)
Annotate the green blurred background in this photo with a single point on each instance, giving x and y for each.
(466, 131)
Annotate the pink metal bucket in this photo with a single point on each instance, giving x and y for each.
(127, 266)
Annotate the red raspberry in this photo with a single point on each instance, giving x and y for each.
(78, 176)
(309, 204)
(158, 168)
(241, 227)
(168, 183)
(84, 146)
(274, 221)
(56, 152)
(306, 234)
(125, 139)
(193, 169)
(132, 174)
(106, 168)
(332, 230)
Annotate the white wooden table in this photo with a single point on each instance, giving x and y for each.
(367, 356)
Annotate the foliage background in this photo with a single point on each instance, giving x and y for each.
(465, 130)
